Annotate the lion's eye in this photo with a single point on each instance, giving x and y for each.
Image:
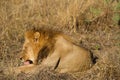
(25, 48)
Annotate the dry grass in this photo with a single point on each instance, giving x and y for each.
(94, 24)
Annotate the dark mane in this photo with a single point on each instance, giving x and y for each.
(48, 48)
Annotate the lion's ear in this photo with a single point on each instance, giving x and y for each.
(36, 36)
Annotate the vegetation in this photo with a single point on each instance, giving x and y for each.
(93, 24)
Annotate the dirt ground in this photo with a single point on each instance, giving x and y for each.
(93, 24)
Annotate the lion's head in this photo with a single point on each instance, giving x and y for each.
(34, 42)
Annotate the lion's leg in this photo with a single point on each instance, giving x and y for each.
(31, 68)
(17, 70)
(52, 61)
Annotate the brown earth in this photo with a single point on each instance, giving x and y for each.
(93, 24)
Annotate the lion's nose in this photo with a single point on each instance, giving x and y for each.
(21, 58)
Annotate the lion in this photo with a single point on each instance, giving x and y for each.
(53, 49)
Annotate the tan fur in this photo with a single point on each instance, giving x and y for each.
(55, 50)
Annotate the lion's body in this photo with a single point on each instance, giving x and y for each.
(55, 50)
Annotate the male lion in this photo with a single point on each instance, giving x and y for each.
(55, 50)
